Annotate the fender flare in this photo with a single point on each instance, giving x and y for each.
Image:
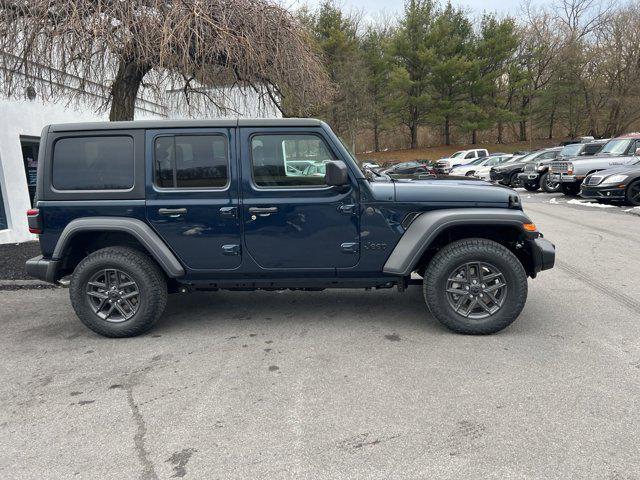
(428, 225)
(137, 228)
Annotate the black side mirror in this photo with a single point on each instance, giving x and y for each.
(336, 174)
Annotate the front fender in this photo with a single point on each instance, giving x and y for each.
(428, 225)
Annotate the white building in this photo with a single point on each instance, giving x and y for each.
(22, 121)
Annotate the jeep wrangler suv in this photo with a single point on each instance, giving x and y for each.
(131, 211)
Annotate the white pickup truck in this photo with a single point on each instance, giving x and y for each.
(444, 165)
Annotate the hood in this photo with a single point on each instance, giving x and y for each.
(619, 170)
(452, 190)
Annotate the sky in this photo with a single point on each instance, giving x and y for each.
(373, 8)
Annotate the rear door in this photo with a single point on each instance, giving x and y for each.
(291, 218)
(192, 195)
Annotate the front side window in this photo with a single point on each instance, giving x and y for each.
(191, 161)
(289, 160)
(93, 163)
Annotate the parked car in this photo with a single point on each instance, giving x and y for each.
(408, 168)
(370, 166)
(614, 184)
(509, 173)
(462, 157)
(536, 175)
(617, 151)
(130, 211)
(484, 172)
(469, 169)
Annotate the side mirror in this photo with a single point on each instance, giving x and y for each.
(336, 174)
(637, 154)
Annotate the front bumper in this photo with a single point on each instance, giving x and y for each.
(613, 193)
(566, 178)
(543, 254)
(42, 268)
(529, 177)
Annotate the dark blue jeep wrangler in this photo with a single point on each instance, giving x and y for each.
(132, 211)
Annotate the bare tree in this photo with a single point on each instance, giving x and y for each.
(159, 46)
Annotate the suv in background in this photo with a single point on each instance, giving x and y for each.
(536, 175)
(509, 173)
(131, 211)
(462, 157)
(572, 171)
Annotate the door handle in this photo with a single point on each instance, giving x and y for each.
(347, 209)
(229, 212)
(172, 212)
(263, 210)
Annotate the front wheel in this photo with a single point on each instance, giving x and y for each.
(570, 189)
(514, 181)
(475, 286)
(632, 196)
(547, 184)
(118, 292)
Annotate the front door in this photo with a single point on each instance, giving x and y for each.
(291, 218)
(192, 195)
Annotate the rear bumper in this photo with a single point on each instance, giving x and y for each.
(543, 253)
(42, 268)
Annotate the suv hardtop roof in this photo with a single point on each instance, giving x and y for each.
(157, 124)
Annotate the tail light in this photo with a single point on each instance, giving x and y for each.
(35, 221)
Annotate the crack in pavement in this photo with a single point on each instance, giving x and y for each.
(148, 470)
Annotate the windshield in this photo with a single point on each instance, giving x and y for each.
(530, 157)
(350, 153)
(571, 150)
(457, 154)
(617, 146)
(478, 161)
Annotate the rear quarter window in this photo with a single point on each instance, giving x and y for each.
(93, 163)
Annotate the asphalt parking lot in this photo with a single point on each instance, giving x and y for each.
(341, 384)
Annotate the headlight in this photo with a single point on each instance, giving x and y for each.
(540, 167)
(615, 179)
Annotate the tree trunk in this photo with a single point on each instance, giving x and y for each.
(474, 137)
(552, 119)
(124, 89)
(413, 128)
(447, 131)
(500, 132)
(376, 136)
(523, 130)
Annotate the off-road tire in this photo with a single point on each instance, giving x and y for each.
(471, 250)
(630, 192)
(139, 267)
(545, 184)
(571, 190)
(532, 187)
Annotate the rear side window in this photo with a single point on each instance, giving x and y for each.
(93, 163)
(289, 160)
(191, 161)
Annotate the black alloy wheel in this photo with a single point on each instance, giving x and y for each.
(633, 193)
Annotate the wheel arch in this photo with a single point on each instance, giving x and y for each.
(89, 234)
(430, 231)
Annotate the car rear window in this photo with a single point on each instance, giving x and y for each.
(93, 163)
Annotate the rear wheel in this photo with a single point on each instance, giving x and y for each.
(632, 195)
(469, 174)
(118, 292)
(547, 184)
(475, 286)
